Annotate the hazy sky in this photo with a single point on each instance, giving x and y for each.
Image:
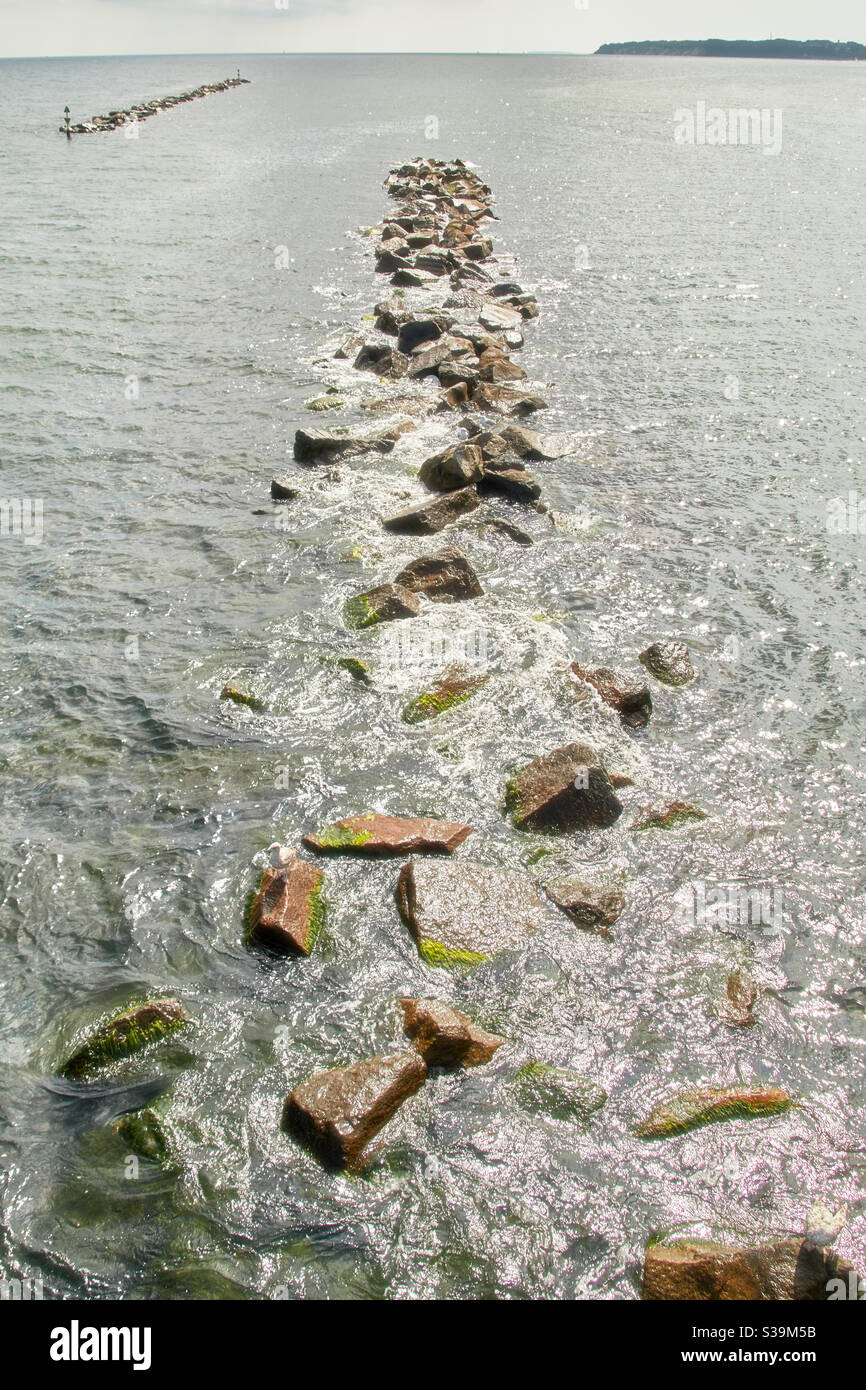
(61, 27)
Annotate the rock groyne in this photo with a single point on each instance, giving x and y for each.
(131, 115)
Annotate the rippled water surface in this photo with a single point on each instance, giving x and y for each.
(170, 303)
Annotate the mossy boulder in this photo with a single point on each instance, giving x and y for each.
(384, 604)
(143, 1132)
(710, 1104)
(326, 403)
(126, 1034)
(241, 697)
(557, 1093)
(454, 687)
(359, 670)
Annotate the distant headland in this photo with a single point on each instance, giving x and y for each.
(740, 48)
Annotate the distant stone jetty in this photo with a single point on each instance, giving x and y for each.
(740, 48)
(128, 116)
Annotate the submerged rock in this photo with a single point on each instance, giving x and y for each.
(241, 697)
(710, 1104)
(669, 662)
(507, 528)
(667, 817)
(454, 687)
(567, 789)
(315, 446)
(460, 912)
(382, 836)
(595, 909)
(384, 604)
(736, 1009)
(445, 577)
(444, 1036)
(287, 912)
(335, 1114)
(359, 670)
(435, 515)
(126, 1034)
(558, 1094)
(629, 696)
(784, 1271)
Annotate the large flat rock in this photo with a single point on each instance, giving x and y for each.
(462, 911)
(445, 1037)
(380, 836)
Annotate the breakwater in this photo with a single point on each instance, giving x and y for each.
(462, 911)
(130, 115)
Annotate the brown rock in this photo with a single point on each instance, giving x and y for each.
(381, 836)
(428, 362)
(454, 687)
(454, 397)
(507, 528)
(336, 1113)
(785, 1271)
(444, 1036)
(628, 696)
(736, 1009)
(669, 662)
(592, 908)
(453, 468)
(384, 604)
(565, 790)
(506, 399)
(286, 911)
(527, 444)
(282, 490)
(495, 317)
(498, 368)
(457, 909)
(435, 515)
(445, 577)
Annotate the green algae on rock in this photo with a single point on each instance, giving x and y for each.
(143, 1132)
(384, 604)
(454, 687)
(667, 817)
(356, 668)
(287, 912)
(379, 836)
(668, 662)
(325, 403)
(559, 1094)
(241, 697)
(710, 1104)
(126, 1034)
(460, 912)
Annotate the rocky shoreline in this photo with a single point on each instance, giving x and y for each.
(447, 334)
(130, 115)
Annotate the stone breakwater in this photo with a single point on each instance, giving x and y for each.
(130, 115)
(445, 339)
